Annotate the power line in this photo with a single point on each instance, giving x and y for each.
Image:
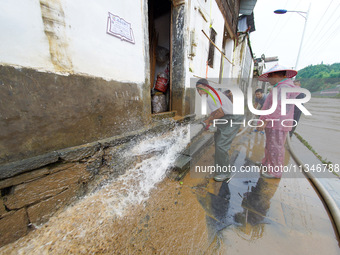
(322, 37)
(315, 42)
(319, 22)
(324, 42)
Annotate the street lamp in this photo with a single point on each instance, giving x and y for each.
(280, 11)
(305, 16)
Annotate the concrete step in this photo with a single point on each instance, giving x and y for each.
(181, 167)
(190, 154)
(198, 144)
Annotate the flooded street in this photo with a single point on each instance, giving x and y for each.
(143, 212)
(139, 127)
(322, 129)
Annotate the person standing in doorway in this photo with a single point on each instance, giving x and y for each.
(276, 133)
(220, 109)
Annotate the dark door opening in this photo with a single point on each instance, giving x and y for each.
(160, 49)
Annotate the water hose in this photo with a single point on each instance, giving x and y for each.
(330, 203)
(246, 128)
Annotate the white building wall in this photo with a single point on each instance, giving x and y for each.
(247, 63)
(239, 55)
(197, 65)
(88, 48)
(243, 65)
(210, 10)
(228, 52)
(23, 41)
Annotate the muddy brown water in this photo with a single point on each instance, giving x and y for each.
(194, 216)
(322, 128)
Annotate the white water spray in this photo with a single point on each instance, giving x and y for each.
(135, 185)
(91, 218)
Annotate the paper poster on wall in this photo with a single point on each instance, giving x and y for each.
(118, 27)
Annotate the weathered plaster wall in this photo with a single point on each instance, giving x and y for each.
(63, 80)
(240, 57)
(178, 58)
(72, 98)
(70, 37)
(23, 41)
(42, 112)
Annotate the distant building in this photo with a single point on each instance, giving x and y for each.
(328, 92)
(261, 66)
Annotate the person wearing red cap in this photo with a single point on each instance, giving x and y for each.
(276, 133)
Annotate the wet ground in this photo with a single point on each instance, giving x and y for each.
(195, 216)
(321, 129)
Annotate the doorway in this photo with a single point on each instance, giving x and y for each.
(160, 52)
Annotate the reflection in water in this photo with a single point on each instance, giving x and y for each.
(256, 204)
(216, 208)
(247, 213)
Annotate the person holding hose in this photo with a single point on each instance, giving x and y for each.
(221, 108)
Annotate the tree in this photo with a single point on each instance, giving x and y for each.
(319, 77)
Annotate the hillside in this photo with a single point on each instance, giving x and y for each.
(319, 77)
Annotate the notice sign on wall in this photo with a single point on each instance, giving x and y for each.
(118, 27)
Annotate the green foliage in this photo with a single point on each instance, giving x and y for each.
(319, 77)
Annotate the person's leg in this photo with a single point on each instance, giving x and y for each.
(274, 152)
(223, 139)
(297, 115)
(266, 159)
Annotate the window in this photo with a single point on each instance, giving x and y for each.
(211, 48)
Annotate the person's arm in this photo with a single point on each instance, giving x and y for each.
(256, 103)
(214, 115)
